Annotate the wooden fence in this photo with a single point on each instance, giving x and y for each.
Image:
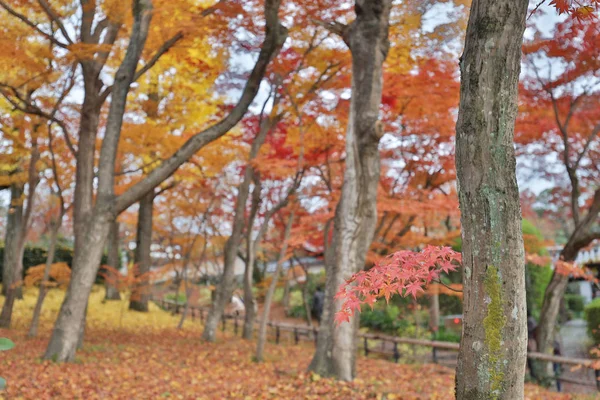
(441, 352)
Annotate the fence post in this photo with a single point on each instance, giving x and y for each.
(434, 355)
(192, 310)
(315, 335)
(223, 319)
(366, 344)
(296, 338)
(396, 353)
(277, 333)
(235, 325)
(597, 375)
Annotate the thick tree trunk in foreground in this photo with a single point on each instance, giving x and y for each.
(356, 213)
(493, 349)
(142, 259)
(35, 320)
(262, 330)
(112, 291)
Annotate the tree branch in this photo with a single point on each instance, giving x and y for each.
(276, 35)
(32, 25)
(162, 50)
(54, 17)
(333, 27)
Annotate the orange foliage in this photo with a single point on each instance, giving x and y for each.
(60, 275)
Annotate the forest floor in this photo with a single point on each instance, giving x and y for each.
(129, 355)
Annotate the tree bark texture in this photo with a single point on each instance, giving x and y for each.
(114, 260)
(493, 348)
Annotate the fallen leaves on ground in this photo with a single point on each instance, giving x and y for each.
(130, 355)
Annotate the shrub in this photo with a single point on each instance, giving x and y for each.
(181, 298)
(592, 316)
(33, 256)
(445, 335)
(297, 311)
(575, 303)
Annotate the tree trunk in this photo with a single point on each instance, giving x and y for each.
(262, 330)
(92, 224)
(91, 236)
(434, 312)
(14, 226)
(14, 245)
(356, 213)
(35, 320)
(249, 301)
(187, 291)
(305, 301)
(143, 259)
(225, 288)
(114, 260)
(285, 301)
(493, 347)
(71, 317)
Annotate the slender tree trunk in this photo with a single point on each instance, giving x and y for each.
(225, 288)
(434, 312)
(143, 259)
(582, 236)
(13, 253)
(249, 301)
(285, 301)
(493, 349)
(305, 301)
(14, 227)
(262, 330)
(114, 260)
(187, 291)
(35, 321)
(356, 213)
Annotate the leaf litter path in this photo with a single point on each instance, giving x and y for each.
(144, 357)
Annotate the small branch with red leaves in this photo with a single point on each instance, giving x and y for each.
(404, 273)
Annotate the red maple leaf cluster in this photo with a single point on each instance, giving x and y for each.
(578, 9)
(404, 272)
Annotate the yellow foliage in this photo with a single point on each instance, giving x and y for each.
(101, 315)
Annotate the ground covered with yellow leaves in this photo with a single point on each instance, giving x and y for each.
(129, 355)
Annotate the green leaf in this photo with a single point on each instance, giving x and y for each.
(2, 383)
(6, 344)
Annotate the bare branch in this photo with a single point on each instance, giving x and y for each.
(29, 23)
(54, 17)
(162, 50)
(333, 27)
